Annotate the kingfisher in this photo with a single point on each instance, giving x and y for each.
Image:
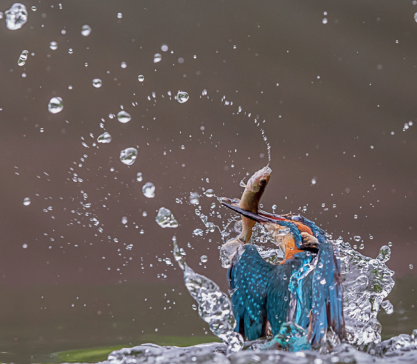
(305, 288)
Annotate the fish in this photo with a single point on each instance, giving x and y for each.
(251, 197)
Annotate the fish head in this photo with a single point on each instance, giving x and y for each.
(259, 180)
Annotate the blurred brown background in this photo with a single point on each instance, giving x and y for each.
(334, 96)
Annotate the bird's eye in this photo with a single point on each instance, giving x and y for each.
(262, 181)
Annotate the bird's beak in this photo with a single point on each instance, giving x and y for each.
(251, 215)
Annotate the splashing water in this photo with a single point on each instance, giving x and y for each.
(85, 30)
(55, 105)
(214, 306)
(16, 16)
(157, 58)
(194, 198)
(22, 58)
(182, 97)
(165, 218)
(124, 117)
(97, 83)
(148, 190)
(128, 156)
(366, 283)
(104, 138)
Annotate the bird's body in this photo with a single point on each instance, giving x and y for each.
(305, 288)
(261, 292)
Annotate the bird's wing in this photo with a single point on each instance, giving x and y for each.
(248, 278)
(327, 308)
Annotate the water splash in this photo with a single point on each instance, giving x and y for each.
(16, 16)
(97, 83)
(85, 30)
(22, 58)
(165, 218)
(400, 349)
(128, 156)
(194, 198)
(55, 105)
(214, 306)
(157, 58)
(366, 283)
(148, 190)
(182, 97)
(124, 117)
(104, 138)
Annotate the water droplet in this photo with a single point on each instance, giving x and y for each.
(165, 218)
(16, 16)
(157, 58)
(209, 193)
(70, 51)
(324, 21)
(198, 232)
(323, 281)
(123, 65)
(362, 246)
(119, 15)
(85, 30)
(139, 177)
(182, 97)
(313, 181)
(357, 238)
(203, 259)
(26, 201)
(164, 48)
(141, 78)
(128, 156)
(148, 190)
(129, 247)
(194, 307)
(384, 254)
(124, 117)
(415, 17)
(97, 83)
(34, 8)
(53, 45)
(104, 138)
(124, 220)
(194, 198)
(23, 57)
(55, 105)
(411, 266)
(387, 306)
(283, 232)
(210, 227)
